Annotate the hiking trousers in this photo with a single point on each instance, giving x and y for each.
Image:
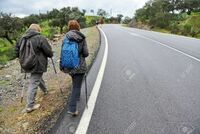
(76, 91)
(36, 81)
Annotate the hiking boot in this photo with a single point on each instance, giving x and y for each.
(73, 113)
(30, 109)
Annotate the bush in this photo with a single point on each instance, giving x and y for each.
(195, 31)
(186, 29)
(127, 20)
(162, 20)
(174, 27)
(7, 51)
(91, 20)
(48, 31)
(194, 21)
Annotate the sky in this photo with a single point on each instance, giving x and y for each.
(23, 8)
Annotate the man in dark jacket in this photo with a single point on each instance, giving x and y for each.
(42, 51)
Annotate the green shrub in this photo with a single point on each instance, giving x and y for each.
(191, 26)
(185, 29)
(162, 20)
(52, 32)
(174, 28)
(91, 20)
(194, 21)
(7, 51)
(198, 35)
(48, 31)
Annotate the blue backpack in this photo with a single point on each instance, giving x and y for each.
(69, 54)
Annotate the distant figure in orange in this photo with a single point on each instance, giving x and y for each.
(101, 21)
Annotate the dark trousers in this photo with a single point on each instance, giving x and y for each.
(76, 91)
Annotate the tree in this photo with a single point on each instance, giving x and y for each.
(141, 15)
(112, 19)
(61, 18)
(53, 14)
(31, 19)
(127, 20)
(187, 5)
(92, 11)
(84, 11)
(119, 18)
(10, 26)
(102, 13)
(43, 16)
(76, 14)
(65, 14)
(161, 20)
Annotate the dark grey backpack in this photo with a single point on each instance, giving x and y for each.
(27, 56)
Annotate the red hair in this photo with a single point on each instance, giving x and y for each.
(73, 25)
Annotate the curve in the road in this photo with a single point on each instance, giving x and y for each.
(86, 117)
(188, 55)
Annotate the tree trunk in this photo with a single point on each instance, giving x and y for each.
(61, 30)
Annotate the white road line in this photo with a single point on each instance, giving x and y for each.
(87, 114)
(194, 58)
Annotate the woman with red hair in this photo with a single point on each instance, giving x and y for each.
(78, 73)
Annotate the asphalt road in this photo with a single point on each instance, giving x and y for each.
(151, 84)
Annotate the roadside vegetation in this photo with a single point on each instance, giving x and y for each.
(7, 51)
(171, 16)
(53, 22)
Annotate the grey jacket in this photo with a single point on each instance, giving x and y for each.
(42, 49)
(77, 36)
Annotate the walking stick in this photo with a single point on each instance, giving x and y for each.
(56, 74)
(53, 66)
(86, 99)
(22, 92)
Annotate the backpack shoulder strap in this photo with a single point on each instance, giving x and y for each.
(22, 43)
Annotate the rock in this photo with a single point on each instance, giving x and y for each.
(8, 76)
(8, 64)
(55, 39)
(1, 129)
(1, 66)
(57, 36)
(15, 72)
(25, 125)
(19, 77)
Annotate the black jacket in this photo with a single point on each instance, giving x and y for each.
(42, 49)
(77, 36)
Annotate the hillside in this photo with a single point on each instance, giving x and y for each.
(177, 17)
